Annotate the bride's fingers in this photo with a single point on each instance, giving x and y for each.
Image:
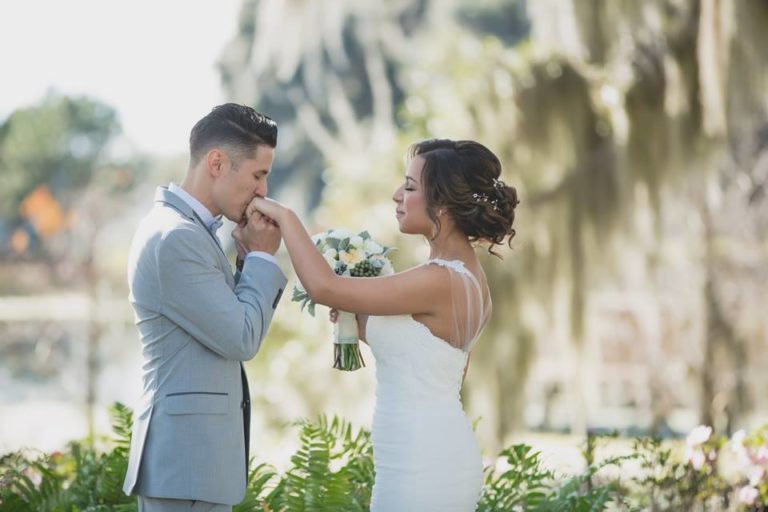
(250, 210)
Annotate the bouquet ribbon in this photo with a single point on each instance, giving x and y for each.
(345, 329)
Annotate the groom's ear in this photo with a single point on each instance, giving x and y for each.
(215, 162)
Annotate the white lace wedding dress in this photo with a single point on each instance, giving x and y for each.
(425, 453)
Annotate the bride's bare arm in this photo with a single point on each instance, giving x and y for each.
(411, 292)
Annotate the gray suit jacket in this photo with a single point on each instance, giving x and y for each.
(197, 322)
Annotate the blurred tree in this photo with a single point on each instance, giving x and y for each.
(58, 180)
(57, 143)
(616, 120)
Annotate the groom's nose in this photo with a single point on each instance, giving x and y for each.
(261, 189)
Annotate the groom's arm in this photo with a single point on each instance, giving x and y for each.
(240, 261)
(196, 297)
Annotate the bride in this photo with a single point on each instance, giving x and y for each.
(421, 323)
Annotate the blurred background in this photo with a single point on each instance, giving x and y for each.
(636, 133)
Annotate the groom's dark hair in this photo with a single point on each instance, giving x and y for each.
(238, 129)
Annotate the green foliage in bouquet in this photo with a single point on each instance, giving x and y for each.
(353, 255)
(348, 254)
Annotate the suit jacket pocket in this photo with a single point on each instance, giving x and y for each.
(197, 402)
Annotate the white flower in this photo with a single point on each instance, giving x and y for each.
(372, 247)
(696, 458)
(698, 436)
(357, 242)
(331, 256)
(748, 495)
(341, 234)
(737, 447)
(755, 475)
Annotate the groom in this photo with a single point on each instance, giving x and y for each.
(197, 321)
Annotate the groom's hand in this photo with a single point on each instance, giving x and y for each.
(258, 233)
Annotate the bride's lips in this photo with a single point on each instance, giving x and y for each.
(399, 214)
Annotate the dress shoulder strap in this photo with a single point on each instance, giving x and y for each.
(457, 266)
(470, 308)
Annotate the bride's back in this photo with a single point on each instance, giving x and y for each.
(461, 315)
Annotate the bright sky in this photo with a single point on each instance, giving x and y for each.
(152, 60)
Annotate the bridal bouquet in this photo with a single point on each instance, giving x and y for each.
(353, 255)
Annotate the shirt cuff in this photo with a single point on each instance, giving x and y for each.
(262, 255)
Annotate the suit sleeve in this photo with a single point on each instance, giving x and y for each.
(196, 297)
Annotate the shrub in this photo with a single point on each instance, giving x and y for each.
(332, 470)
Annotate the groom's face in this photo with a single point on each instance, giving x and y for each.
(242, 180)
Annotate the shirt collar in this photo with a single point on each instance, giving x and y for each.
(211, 222)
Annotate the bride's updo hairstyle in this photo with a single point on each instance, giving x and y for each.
(462, 178)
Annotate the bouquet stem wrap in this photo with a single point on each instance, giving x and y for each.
(346, 350)
(349, 254)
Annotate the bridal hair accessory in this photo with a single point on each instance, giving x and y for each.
(353, 255)
(483, 199)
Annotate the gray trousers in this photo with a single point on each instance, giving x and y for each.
(169, 505)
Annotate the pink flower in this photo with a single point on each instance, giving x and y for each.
(755, 475)
(762, 456)
(748, 495)
(696, 458)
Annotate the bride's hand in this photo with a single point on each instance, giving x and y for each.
(267, 207)
(362, 321)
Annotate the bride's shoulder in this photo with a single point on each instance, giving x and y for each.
(427, 274)
(457, 265)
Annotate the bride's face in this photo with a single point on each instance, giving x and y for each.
(411, 209)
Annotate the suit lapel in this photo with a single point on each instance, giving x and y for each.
(165, 196)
